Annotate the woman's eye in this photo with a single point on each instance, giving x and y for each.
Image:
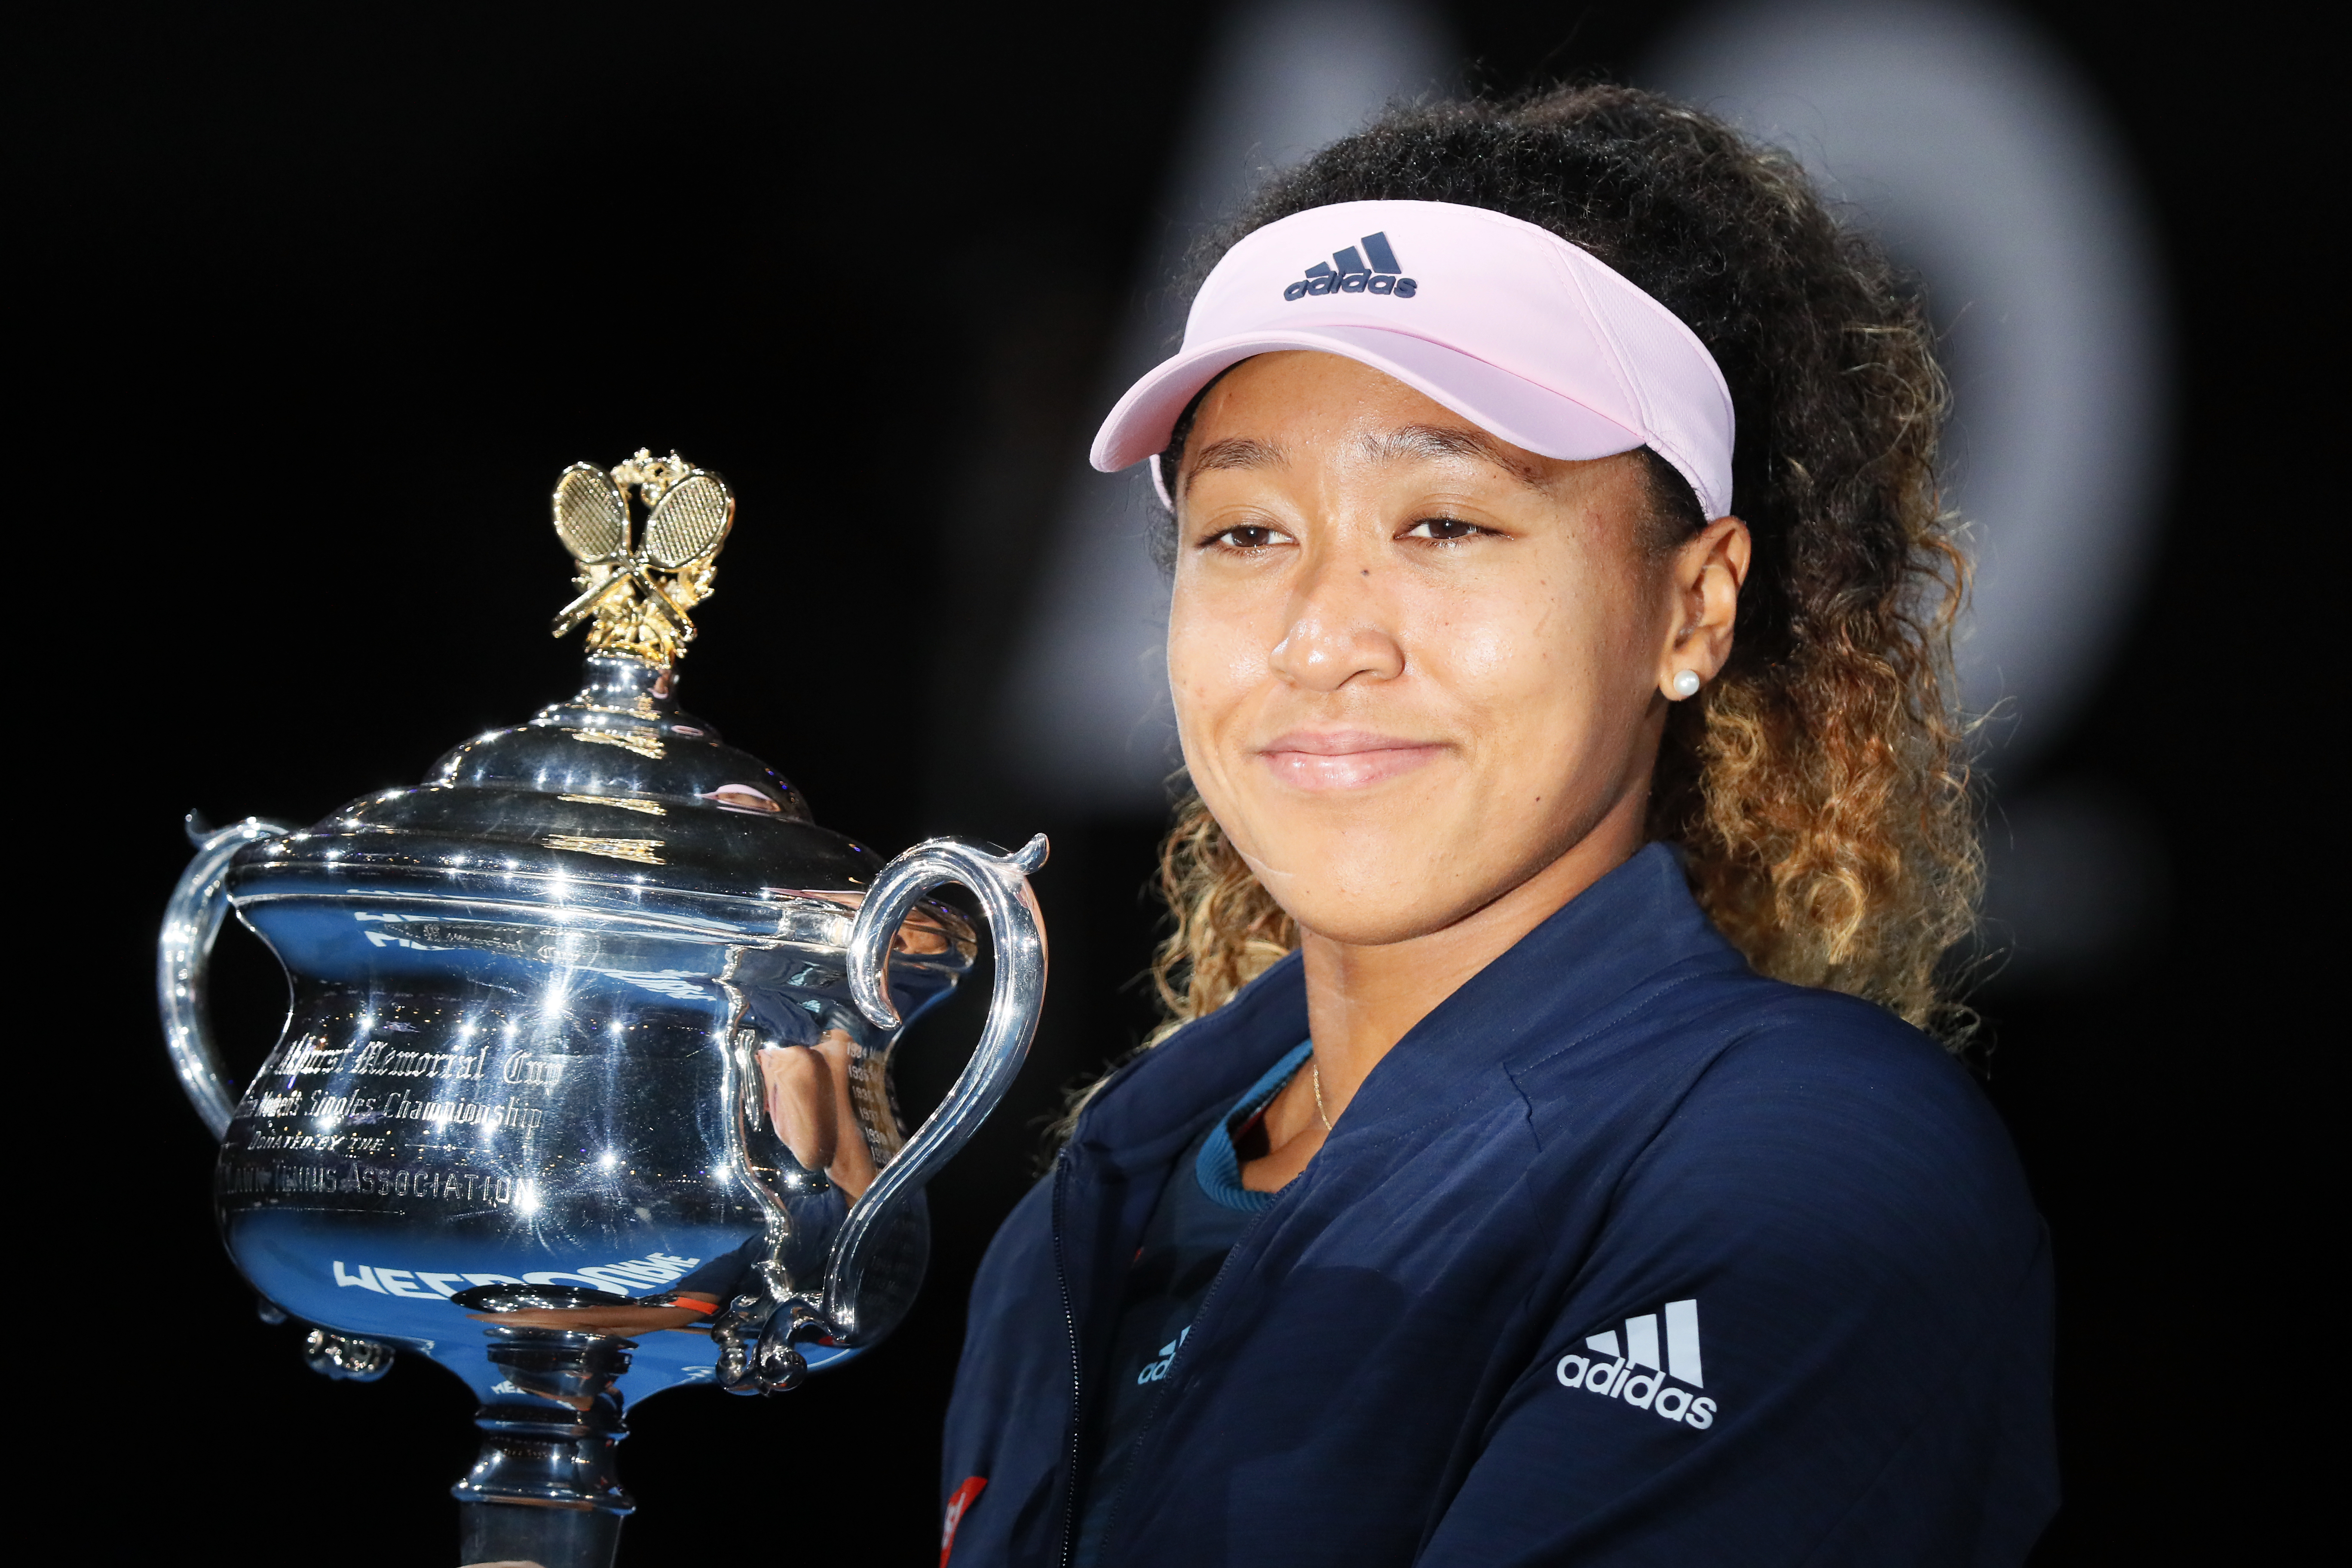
(1443, 528)
(1249, 536)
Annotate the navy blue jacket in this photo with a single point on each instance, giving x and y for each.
(1624, 1255)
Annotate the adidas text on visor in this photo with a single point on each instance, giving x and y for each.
(1511, 327)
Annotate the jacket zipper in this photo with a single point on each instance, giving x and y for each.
(1070, 1322)
(1070, 1326)
(1208, 1298)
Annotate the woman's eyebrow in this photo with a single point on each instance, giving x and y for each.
(1427, 441)
(1237, 452)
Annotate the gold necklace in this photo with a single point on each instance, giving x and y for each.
(1315, 1076)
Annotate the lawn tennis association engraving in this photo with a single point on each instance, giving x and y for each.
(351, 1178)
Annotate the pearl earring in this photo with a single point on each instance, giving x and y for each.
(1686, 683)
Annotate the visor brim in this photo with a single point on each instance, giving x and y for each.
(1536, 418)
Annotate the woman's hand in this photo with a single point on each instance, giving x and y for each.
(801, 1103)
(809, 1101)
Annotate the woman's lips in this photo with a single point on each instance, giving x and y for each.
(1342, 759)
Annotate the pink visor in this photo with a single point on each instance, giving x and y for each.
(1509, 326)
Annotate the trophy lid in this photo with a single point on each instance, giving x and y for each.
(614, 800)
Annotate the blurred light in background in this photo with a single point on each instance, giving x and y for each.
(2079, 882)
(1088, 727)
(1983, 162)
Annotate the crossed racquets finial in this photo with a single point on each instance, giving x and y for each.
(689, 512)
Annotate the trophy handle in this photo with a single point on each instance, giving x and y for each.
(183, 952)
(1001, 882)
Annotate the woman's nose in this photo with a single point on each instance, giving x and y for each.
(1337, 633)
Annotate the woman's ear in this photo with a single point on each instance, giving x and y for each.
(1704, 578)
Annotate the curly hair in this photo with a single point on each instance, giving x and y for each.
(1819, 789)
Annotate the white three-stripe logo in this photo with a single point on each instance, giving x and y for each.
(1682, 1361)
(1631, 1370)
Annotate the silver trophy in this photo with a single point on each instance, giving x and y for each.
(584, 1092)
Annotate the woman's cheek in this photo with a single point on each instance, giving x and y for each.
(1211, 672)
(1496, 654)
(1474, 656)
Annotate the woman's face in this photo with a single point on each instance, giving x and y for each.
(1414, 665)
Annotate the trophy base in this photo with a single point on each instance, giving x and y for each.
(542, 1491)
(510, 1534)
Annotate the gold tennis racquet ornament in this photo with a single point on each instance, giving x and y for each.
(638, 598)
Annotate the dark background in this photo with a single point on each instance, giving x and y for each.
(318, 303)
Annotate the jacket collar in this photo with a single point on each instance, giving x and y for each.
(1630, 928)
(1158, 1101)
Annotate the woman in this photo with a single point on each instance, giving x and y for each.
(1548, 1161)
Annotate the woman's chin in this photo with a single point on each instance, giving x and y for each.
(1374, 912)
(1386, 929)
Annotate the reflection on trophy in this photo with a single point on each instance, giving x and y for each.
(584, 1092)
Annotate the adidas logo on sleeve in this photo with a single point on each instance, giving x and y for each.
(1374, 270)
(1632, 1372)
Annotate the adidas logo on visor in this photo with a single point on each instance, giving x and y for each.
(1372, 270)
(1632, 1372)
